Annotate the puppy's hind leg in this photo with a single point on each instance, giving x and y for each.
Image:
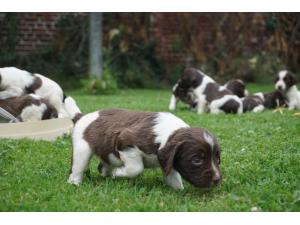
(133, 163)
(81, 156)
(214, 108)
(258, 108)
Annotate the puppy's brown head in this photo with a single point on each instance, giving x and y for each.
(237, 87)
(195, 154)
(185, 95)
(190, 79)
(50, 111)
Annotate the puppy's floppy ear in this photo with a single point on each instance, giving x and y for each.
(124, 139)
(50, 113)
(54, 113)
(292, 79)
(166, 156)
(194, 81)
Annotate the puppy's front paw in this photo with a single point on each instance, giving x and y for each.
(74, 180)
(177, 187)
(113, 174)
(174, 180)
(172, 107)
(104, 170)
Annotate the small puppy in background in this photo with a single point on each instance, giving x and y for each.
(273, 99)
(204, 94)
(237, 87)
(184, 95)
(253, 103)
(15, 82)
(259, 101)
(286, 83)
(29, 108)
(128, 141)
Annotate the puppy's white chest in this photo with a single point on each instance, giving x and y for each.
(293, 96)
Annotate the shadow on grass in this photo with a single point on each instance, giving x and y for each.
(152, 182)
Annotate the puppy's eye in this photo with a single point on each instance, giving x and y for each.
(197, 161)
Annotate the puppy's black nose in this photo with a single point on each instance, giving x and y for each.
(216, 179)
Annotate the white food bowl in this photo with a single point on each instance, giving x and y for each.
(47, 130)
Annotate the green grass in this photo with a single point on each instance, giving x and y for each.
(260, 166)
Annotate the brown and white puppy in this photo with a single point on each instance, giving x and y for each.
(286, 83)
(202, 92)
(237, 87)
(273, 99)
(259, 101)
(128, 141)
(15, 82)
(29, 108)
(183, 94)
(253, 103)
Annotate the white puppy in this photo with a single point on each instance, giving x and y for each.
(16, 82)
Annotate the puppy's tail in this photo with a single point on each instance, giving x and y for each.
(72, 109)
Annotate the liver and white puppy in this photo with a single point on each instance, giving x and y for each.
(273, 99)
(128, 141)
(259, 101)
(253, 103)
(29, 108)
(15, 82)
(286, 82)
(202, 92)
(237, 87)
(183, 94)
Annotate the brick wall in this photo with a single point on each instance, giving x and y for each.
(35, 31)
(38, 29)
(168, 26)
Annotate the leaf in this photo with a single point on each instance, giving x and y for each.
(279, 109)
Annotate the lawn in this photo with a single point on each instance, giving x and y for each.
(260, 165)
